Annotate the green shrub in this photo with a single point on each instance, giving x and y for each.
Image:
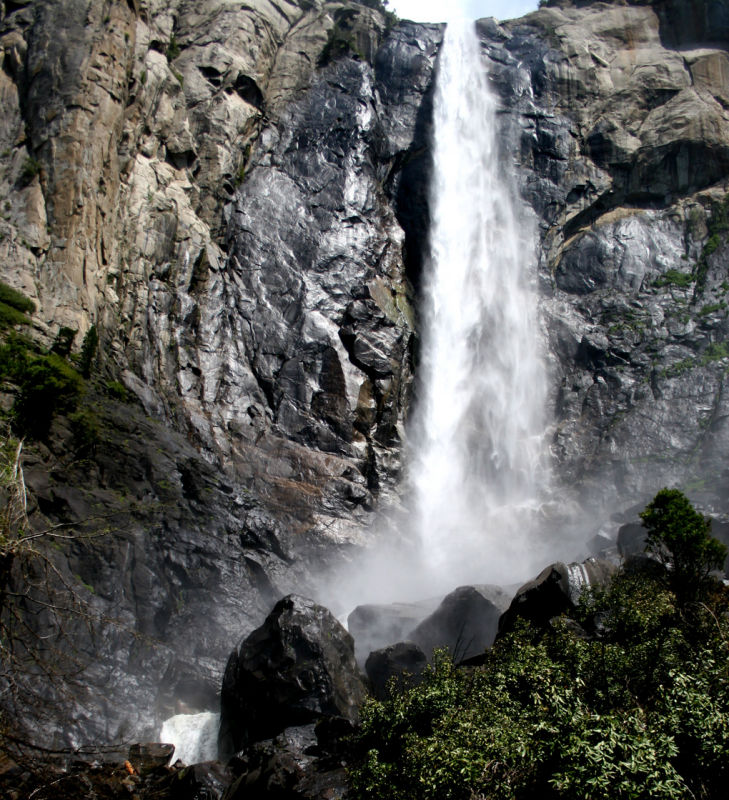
(173, 48)
(15, 299)
(673, 277)
(31, 169)
(86, 429)
(681, 538)
(88, 351)
(117, 390)
(10, 317)
(63, 342)
(47, 384)
(629, 699)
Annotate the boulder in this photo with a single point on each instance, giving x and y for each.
(287, 767)
(555, 590)
(404, 661)
(632, 539)
(296, 668)
(206, 781)
(377, 625)
(150, 756)
(466, 622)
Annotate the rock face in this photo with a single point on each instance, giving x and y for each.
(618, 127)
(243, 218)
(296, 668)
(240, 220)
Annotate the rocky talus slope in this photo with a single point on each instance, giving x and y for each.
(235, 197)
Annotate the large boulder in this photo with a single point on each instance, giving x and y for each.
(296, 668)
(403, 661)
(465, 622)
(288, 767)
(377, 625)
(555, 590)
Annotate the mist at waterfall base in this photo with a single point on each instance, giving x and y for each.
(195, 736)
(475, 505)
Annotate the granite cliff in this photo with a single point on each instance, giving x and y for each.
(233, 196)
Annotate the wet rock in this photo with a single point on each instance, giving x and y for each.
(554, 591)
(296, 668)
(404, 662)
(375, 625)
(151, 756)
(466, 622)
(632, 539)
(206, 781)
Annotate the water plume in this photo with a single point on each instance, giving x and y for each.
(476, 464)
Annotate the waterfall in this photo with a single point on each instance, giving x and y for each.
(476, 442)
(195, 736)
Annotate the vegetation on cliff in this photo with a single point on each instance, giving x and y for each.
(628, 699)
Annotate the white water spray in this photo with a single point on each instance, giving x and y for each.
(195, 736)
(476, 463)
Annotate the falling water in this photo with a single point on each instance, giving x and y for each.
(477, 466)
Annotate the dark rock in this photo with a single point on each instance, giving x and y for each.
(466, 622)
(404, 662)
(632, 539)
(720, 531)
(375, 625)
(150, 756)
(554, 591)
(286, 767)
(206, 781)
(296, 668)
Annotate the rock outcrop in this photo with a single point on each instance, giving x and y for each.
(402, 663)
(239, 217)
(294, 670)
(618, 127)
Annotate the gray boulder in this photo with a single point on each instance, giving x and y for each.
(378, 625)
(466, 622)
(295, 669)
(555, 590)
(404, 661)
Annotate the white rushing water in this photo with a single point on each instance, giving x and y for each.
(195, 736)
(477, 467)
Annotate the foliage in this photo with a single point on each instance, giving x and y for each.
(47, 383)
(173, 48)
(673, 277)
(681, 538)
(340, 42)
(717, 226)
(13, 307)
(30, 169)
(63, 342)
(16, 299)
(88, 351)
(629, 699)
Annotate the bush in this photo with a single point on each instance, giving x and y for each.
(31, 169)
(47, 385)
(629, 699)
(681, 538)
(88, 351)
(13, 307)
(16, 299)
